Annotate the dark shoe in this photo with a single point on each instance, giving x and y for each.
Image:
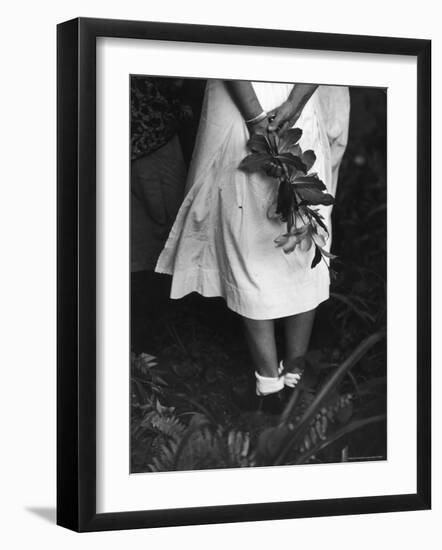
(273, 403)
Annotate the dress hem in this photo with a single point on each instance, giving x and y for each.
(215, 289)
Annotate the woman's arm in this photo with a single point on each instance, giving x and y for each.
(286, 115)
(244, 96)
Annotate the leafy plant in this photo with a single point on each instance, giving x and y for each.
(310, 427)
(314, 419)
(299, 190)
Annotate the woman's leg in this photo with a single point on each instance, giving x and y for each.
(260, 337)
(298, 329)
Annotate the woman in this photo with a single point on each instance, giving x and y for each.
(222, 241)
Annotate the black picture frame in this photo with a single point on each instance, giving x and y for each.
(76, 271)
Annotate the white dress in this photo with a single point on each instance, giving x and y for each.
(222, 241)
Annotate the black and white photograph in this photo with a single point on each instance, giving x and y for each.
(219, 239)
(258, 248)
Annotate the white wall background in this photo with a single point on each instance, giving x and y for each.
(27, 288)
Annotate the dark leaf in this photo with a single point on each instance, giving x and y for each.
(309, 186)
(255, 162)
(311, 180)
(317, 257)
(284, 200)
(288, 141)
(308, 158)
(291, 160)
(314, 197)
(273, 169)
(296, 150)
(258, 144)
(273, 140)
(318, 218)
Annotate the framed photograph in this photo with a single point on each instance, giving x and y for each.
(243, 274)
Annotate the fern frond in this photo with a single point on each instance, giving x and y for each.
(168, 426)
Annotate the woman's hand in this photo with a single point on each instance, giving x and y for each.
(271, 169)
(286, 115)
(259, 128)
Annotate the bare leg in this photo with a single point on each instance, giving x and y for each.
(298, 329)
(260, 337)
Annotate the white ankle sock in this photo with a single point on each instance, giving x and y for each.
(268, 384)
